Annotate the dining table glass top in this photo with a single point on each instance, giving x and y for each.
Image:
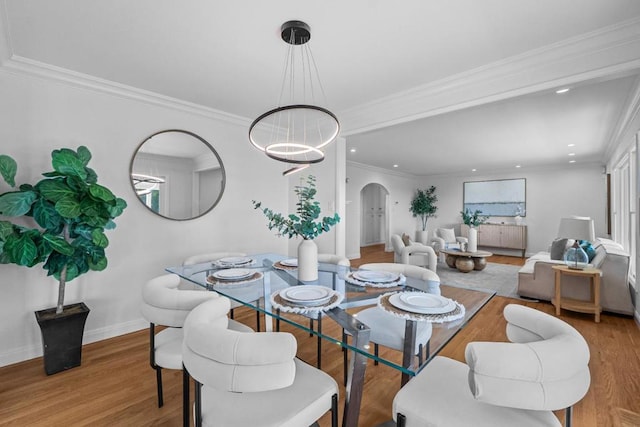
(268, 283)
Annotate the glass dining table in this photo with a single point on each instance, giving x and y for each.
(268, 283)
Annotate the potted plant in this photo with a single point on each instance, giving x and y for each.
(423, 206)
(71, 212)
(304, 223)
(473, 219)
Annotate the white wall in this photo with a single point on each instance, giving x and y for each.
(401, 190)
(551, 194)
(38, 115)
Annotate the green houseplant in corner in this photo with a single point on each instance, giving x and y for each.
(423, 206)
(304, 223)
(71, 212)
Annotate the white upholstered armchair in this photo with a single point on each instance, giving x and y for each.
(519, 383)
(445, 238)
(414, 253)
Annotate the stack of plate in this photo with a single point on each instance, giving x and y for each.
(422, 302)
(307, 295)
(233, 274)
(375, 278)
(292, 262)
(233, 261)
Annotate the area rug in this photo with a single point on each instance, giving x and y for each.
(501, 278)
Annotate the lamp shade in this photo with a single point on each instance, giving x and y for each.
(578, 228)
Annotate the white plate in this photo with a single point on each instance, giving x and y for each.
(376, 276)
(233, 274)
(306, 295)
(234, 260)
(293, 262)
(421, 302)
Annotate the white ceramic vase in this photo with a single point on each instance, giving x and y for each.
(421, 236)
(307, 260)
(473, 240)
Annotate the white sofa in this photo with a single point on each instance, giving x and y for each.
(536, 279)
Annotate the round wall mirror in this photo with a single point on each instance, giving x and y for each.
(177, 174)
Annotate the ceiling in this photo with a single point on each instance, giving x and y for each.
(227, 56)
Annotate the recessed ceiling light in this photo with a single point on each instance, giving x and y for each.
(395, 166)
(572, 161)
(563, 90)
(353, 150)
(572, 154)
(473, 170)
(518, 166)
(571, 145)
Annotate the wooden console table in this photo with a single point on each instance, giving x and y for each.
(505, 236)
(591, 306)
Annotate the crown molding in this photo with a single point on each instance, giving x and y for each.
(631, 111)
(501, 172)
(599, 54)
(25, 66)
(380, 170)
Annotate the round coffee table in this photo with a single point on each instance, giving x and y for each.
(466, 261)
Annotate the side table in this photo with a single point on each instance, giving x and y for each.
(591, 306)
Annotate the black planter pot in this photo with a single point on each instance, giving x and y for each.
(62, 336)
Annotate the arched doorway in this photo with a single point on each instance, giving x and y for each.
(374, 224)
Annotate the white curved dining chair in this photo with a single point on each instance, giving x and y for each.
(215, 256)
(163, 304)
(519, 383)
(324, 258)
(251, 379)
(388, 330)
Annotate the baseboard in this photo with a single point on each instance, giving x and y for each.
(21, 354)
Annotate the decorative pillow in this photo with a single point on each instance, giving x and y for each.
(558, 248)
(406, 239)
(588, 248)
(447, 234)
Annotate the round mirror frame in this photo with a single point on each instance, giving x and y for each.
(203, 141)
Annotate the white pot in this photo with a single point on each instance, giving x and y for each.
(473, 240)
(422, 236)
(307, 261)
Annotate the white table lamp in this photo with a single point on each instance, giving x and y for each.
(578, 228)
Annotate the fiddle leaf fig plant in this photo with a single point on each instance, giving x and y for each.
(303, 223)
(71, 212)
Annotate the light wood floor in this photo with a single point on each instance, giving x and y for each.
(116, 387)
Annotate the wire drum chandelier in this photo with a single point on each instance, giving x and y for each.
(296, 132)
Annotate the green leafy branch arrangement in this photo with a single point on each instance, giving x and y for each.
(72, 212)
(303, 223)
(473, 219)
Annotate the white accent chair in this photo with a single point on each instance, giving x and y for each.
(518, 383)
(251, 379)
(413, 254)
(445, 238)
(163, 304)
(388, 330)
(214, 256)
